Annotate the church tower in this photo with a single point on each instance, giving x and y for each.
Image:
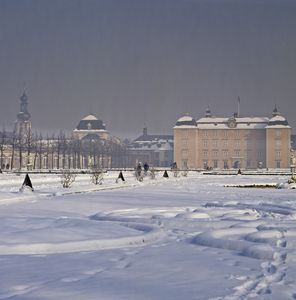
(23, 123)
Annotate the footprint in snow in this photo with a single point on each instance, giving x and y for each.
(124, 265)
(93, 272)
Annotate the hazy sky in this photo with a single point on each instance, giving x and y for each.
(136, 62)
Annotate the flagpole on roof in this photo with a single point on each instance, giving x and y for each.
(238, 106)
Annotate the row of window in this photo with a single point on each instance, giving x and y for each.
(237, 164)
(237, 153)
(225, 143)
(224, 133)
(225, 153)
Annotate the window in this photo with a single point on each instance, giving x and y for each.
(278, 132)
(205, 153)
(215, 133)
(184, 143)
(184, 163)
(225, 153)
(260, 154)
(236, 133)
(205, 133)
(278, 164)
(205, 143)
(184, 134)
(237, 143)
(237, 153)
(215, 143)
(278, 143)
(278, 154)
(248, 142)
(225, 164)
(184, 153)
(225, 133)
(205, 164)
(225, 143)
(215, 153)
(215, 163)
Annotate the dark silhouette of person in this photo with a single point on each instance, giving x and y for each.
(146, 167)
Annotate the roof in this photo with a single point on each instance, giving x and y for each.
(186, 121)
(153, 137)
(278, 120)
(90, 118)
(238, 120)
(238, 123)
(90, 122)
(166, 147)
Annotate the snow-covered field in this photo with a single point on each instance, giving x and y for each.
(176, 238)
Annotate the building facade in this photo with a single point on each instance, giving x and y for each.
(154, 149)
(233, 142)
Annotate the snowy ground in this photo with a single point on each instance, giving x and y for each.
(176, 238)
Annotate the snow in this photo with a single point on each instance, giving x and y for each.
(278, 126)
(241, 123)
(278, 118)
(185, 118)
(194, 237)
(90, 118)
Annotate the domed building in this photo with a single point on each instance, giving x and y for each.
(91, 128)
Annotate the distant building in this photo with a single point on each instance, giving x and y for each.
(156, 150)
(90, 127)
(23, 124)
(90, 146)
(232, 142)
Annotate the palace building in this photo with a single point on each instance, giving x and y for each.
(90, 127)
(232, 142)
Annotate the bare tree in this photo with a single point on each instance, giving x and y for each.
(20, 145)
(67, 178)
(35, 149)
(2, 146)
(29, 141)
(40, 149)
(53, 146)
(97, 175)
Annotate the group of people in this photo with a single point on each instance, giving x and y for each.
(139, 168)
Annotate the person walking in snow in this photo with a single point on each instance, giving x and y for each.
(146, 167)
(138, 172)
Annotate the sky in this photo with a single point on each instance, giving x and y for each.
(136, 63)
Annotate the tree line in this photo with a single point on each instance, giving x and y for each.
(35, 151)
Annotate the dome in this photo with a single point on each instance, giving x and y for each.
(91, 122)
(278, 120)
(186, 120)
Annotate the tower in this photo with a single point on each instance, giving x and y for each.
(208, 112)
(23, 123)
